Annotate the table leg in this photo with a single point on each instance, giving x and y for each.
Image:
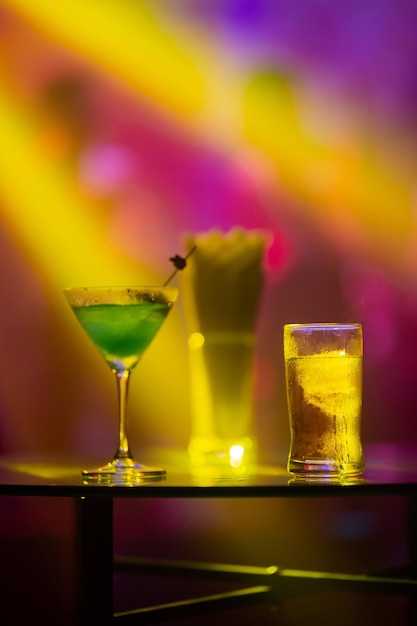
(412, 533)
(94, 561)
(412, 547)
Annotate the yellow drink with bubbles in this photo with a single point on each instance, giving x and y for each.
(324, 389)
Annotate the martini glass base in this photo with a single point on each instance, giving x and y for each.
(123, 472)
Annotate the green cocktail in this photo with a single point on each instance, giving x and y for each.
(122, 322)
(120, 332)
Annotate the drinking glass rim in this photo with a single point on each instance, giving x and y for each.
(106, 287)
(120, 294)
(324, 325)
(330, 327)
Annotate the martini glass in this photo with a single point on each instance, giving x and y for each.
(122, 322)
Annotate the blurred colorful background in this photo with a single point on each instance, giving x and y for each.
(125, 124)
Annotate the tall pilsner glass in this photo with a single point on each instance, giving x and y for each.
(221, 292)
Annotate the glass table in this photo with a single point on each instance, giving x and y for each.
(96, 562)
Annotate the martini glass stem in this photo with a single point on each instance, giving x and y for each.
(123, 377)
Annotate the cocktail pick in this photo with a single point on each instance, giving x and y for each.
(180, 263)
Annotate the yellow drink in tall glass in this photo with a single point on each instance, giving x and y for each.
(222, 398)
(221, 292)
(324, 389)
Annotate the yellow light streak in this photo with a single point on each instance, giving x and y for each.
(126, 40)
(43, 205)
(349, 179)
